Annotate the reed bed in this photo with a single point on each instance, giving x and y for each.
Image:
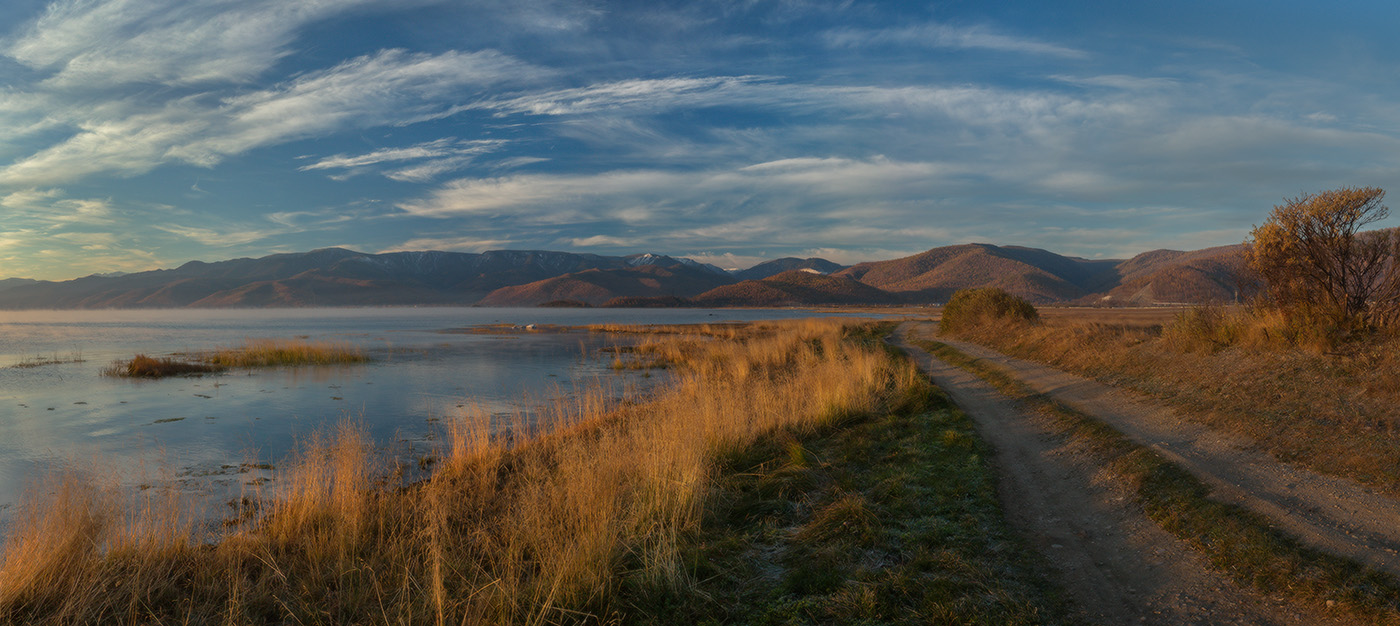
(253, 353)
(143, 366)
(573, 522)
(284, 352)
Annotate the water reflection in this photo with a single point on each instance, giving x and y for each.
(217, 434)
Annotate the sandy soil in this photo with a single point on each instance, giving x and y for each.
(1121, 567)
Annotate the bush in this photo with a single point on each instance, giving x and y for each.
(969, 308)
(1320, 267)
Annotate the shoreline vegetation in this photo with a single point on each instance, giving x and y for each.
(253, 353)
(1327, 407)
(788, 472)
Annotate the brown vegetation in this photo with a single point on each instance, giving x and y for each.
(972, 308)
(1244, 372)
(1209, 276)
(255, 353)
(1319, 268)
(284, 352)
(1036, 275)
(565, 525)
(142, 366)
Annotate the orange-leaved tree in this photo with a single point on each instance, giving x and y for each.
(1319, 266)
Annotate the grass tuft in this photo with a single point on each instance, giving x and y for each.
(142, 366)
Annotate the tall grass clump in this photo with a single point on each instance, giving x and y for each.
(969, 308)
(142, 366)
(579, 519)
(253, 353)
(284, 352)
(1214, 328)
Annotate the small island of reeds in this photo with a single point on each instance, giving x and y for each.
(253, 353)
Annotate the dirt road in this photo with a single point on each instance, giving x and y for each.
(1121, 567)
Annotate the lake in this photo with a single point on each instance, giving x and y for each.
(204, 434)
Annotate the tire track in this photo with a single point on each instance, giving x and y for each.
(1120, 566)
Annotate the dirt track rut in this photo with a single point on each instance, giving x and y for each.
(1121, 567)
(1331, 513)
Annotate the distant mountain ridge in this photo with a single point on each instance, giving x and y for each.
(340, 277)
(778, 266)
(799, 287)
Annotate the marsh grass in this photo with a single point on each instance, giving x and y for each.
(253, 353)
(142, 366)
(1239, 542)
(587, 517)
(284, 352)
(55, 359)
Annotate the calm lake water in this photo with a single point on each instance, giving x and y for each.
(198, 432)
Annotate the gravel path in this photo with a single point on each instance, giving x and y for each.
(1121, 567)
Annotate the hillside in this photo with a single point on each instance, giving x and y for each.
(787, 264)
(933, 276)
(795, 288)
(1211, 275)
(597, 287)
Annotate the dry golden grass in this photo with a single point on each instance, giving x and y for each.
(142, 366)
(253, 353)
(540, 529)
(1331, 411)
(282, 352)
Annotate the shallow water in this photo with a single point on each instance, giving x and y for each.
(199, 433)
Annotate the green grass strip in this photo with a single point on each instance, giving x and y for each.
(1236, 540)
(879, 519)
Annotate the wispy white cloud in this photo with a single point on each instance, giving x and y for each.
(439, 157)
(800, 179)
(1120, 81)
(600, 240)
(938, 35)
(368, 91)
(91, 241)
(52, 207)
(645, 94)
(90, 44)
(218, 238)
(450, 244)
(798, 201)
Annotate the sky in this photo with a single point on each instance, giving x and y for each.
(141, 134)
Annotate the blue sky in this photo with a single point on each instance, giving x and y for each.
(137, 134)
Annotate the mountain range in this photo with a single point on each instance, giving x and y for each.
(340, 277)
